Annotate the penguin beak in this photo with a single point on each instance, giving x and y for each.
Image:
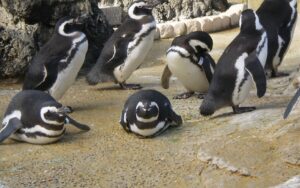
(64, 110)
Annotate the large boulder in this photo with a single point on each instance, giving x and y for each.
(26, 25)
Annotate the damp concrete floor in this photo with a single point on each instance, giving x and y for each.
(256, 149)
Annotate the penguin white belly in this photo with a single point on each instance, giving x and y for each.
(149, 132)
(242, 92)
(189, 74)
(134, 58)
(53, 136)
(243, 82)
(67, 77)
(277, 59)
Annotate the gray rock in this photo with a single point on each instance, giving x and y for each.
(28, 24)
(172, 10)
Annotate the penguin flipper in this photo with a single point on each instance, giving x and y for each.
(77, 124)
(257, 72)
(208, 66)
(165, 78)
(12, 126)
(291, 104)
(124, 121)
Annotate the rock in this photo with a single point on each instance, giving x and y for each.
(28, 24)
(294, 182)
(220, 5)
(192, 25)
(206, 24)
(179, 28)
(174, 10)
(166, 30)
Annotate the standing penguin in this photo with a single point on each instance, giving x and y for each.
(35, 117)
(148, 113)
(128, 46)
(278, 17)
(242, 62)
(56, 65)
(189, 61)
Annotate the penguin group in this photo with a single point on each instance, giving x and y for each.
(35, 116)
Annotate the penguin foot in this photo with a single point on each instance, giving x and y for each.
(185, 95)
(200, 95)
(240, 110)
(130, 86)
(279, 74)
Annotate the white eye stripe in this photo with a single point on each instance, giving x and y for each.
(44, 110)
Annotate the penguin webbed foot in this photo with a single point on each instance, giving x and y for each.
(240, 110)
(185, 95)
(279, 74)
(130, 86)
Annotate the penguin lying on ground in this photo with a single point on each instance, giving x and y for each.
(242, 62)
(35, 117)
(278, 17)
(148, 113)
(189, 61)
(128, 46)
(55, 67)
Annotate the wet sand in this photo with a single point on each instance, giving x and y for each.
(257, 149)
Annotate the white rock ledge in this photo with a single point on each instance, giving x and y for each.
(225, 20)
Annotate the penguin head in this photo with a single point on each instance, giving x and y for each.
(71, 26)
(141, 8)
(217, 97)
(54, 114)
(200, 41)
(147, 111)
(249, 22)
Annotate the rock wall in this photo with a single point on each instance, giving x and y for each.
(25, 25)
(177, 9)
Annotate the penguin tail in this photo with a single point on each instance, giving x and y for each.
(12, 126)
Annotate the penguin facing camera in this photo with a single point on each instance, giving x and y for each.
(148, 113)
(241, 63)
(55, 67)
(35, 117)
(128, 46)
(278, 17)
(189, 61)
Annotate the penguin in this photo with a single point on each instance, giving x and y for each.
(128, 46)
(189, 61)
(55, 67)
(35, 117)
(241, 63)
(147, 113)
(278, 17)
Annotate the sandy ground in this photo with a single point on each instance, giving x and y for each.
(257, 149)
